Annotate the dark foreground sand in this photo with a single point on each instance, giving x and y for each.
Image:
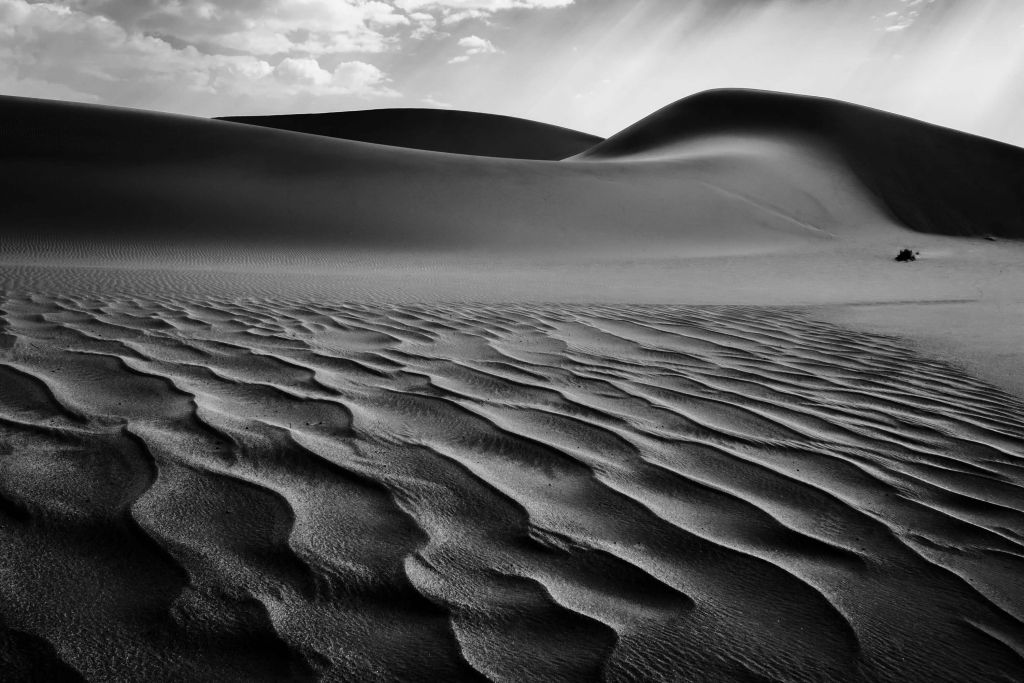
(275, 406)
(235, 490)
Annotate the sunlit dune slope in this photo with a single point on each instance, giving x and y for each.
(438, 130)
(932, 179)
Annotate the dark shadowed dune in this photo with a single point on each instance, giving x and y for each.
(724, 172)
(438, 130)
(83, 175)
(932, 179)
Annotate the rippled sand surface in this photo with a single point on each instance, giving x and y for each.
(204, 489)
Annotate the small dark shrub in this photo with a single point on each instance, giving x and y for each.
(906, 255)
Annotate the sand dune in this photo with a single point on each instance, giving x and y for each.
(686, 207)
(932, 179)
(718, 173)
(227, 490)
(438, 130)
(275, 406)
(167, 183)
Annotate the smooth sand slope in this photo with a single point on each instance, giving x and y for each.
(438, 130)
(721, 172)
(153, 181)
(276, 406)
(932, 179)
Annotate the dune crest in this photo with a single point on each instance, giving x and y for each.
(931, 179)
(438, 130)
(171, 183)
(713, 173)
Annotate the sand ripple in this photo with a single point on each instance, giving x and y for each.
(209, 489)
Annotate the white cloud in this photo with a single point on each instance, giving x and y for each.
(302, 72)
(52, 50)
(348, 78)
(476, 44)
(456, 11)
(361, 78)
(905, 15)
(473, 45)
(486, 5)
(261, 27)
(290, 28)
(190, 55)
(465, 15)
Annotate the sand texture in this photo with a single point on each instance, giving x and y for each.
(230, 490)
(277, 405)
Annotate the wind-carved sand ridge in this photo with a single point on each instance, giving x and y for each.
(229, 489)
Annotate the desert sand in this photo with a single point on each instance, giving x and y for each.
(438, 130)
(277, 405)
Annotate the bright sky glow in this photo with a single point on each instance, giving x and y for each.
(594, 65)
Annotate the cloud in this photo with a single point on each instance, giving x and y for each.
(476, 45)
(473, 45)
(305, 72)
(51, 49)
(465, 15)
(259, 27)
(196, 56)
(485, 5)
(347, 78)
(361, 78)
(905, 15)
(456, 11)
(426, 25)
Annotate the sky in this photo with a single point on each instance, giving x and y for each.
(592, 65)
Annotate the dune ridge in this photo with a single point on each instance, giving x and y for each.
(437, 130)
(291, 489)
(170, 184)
(728, 172)
(931, 179)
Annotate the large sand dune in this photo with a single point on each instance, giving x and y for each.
(277, 406)
(438, 130)
(932, 179)
(717, 173)
(89, 176)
